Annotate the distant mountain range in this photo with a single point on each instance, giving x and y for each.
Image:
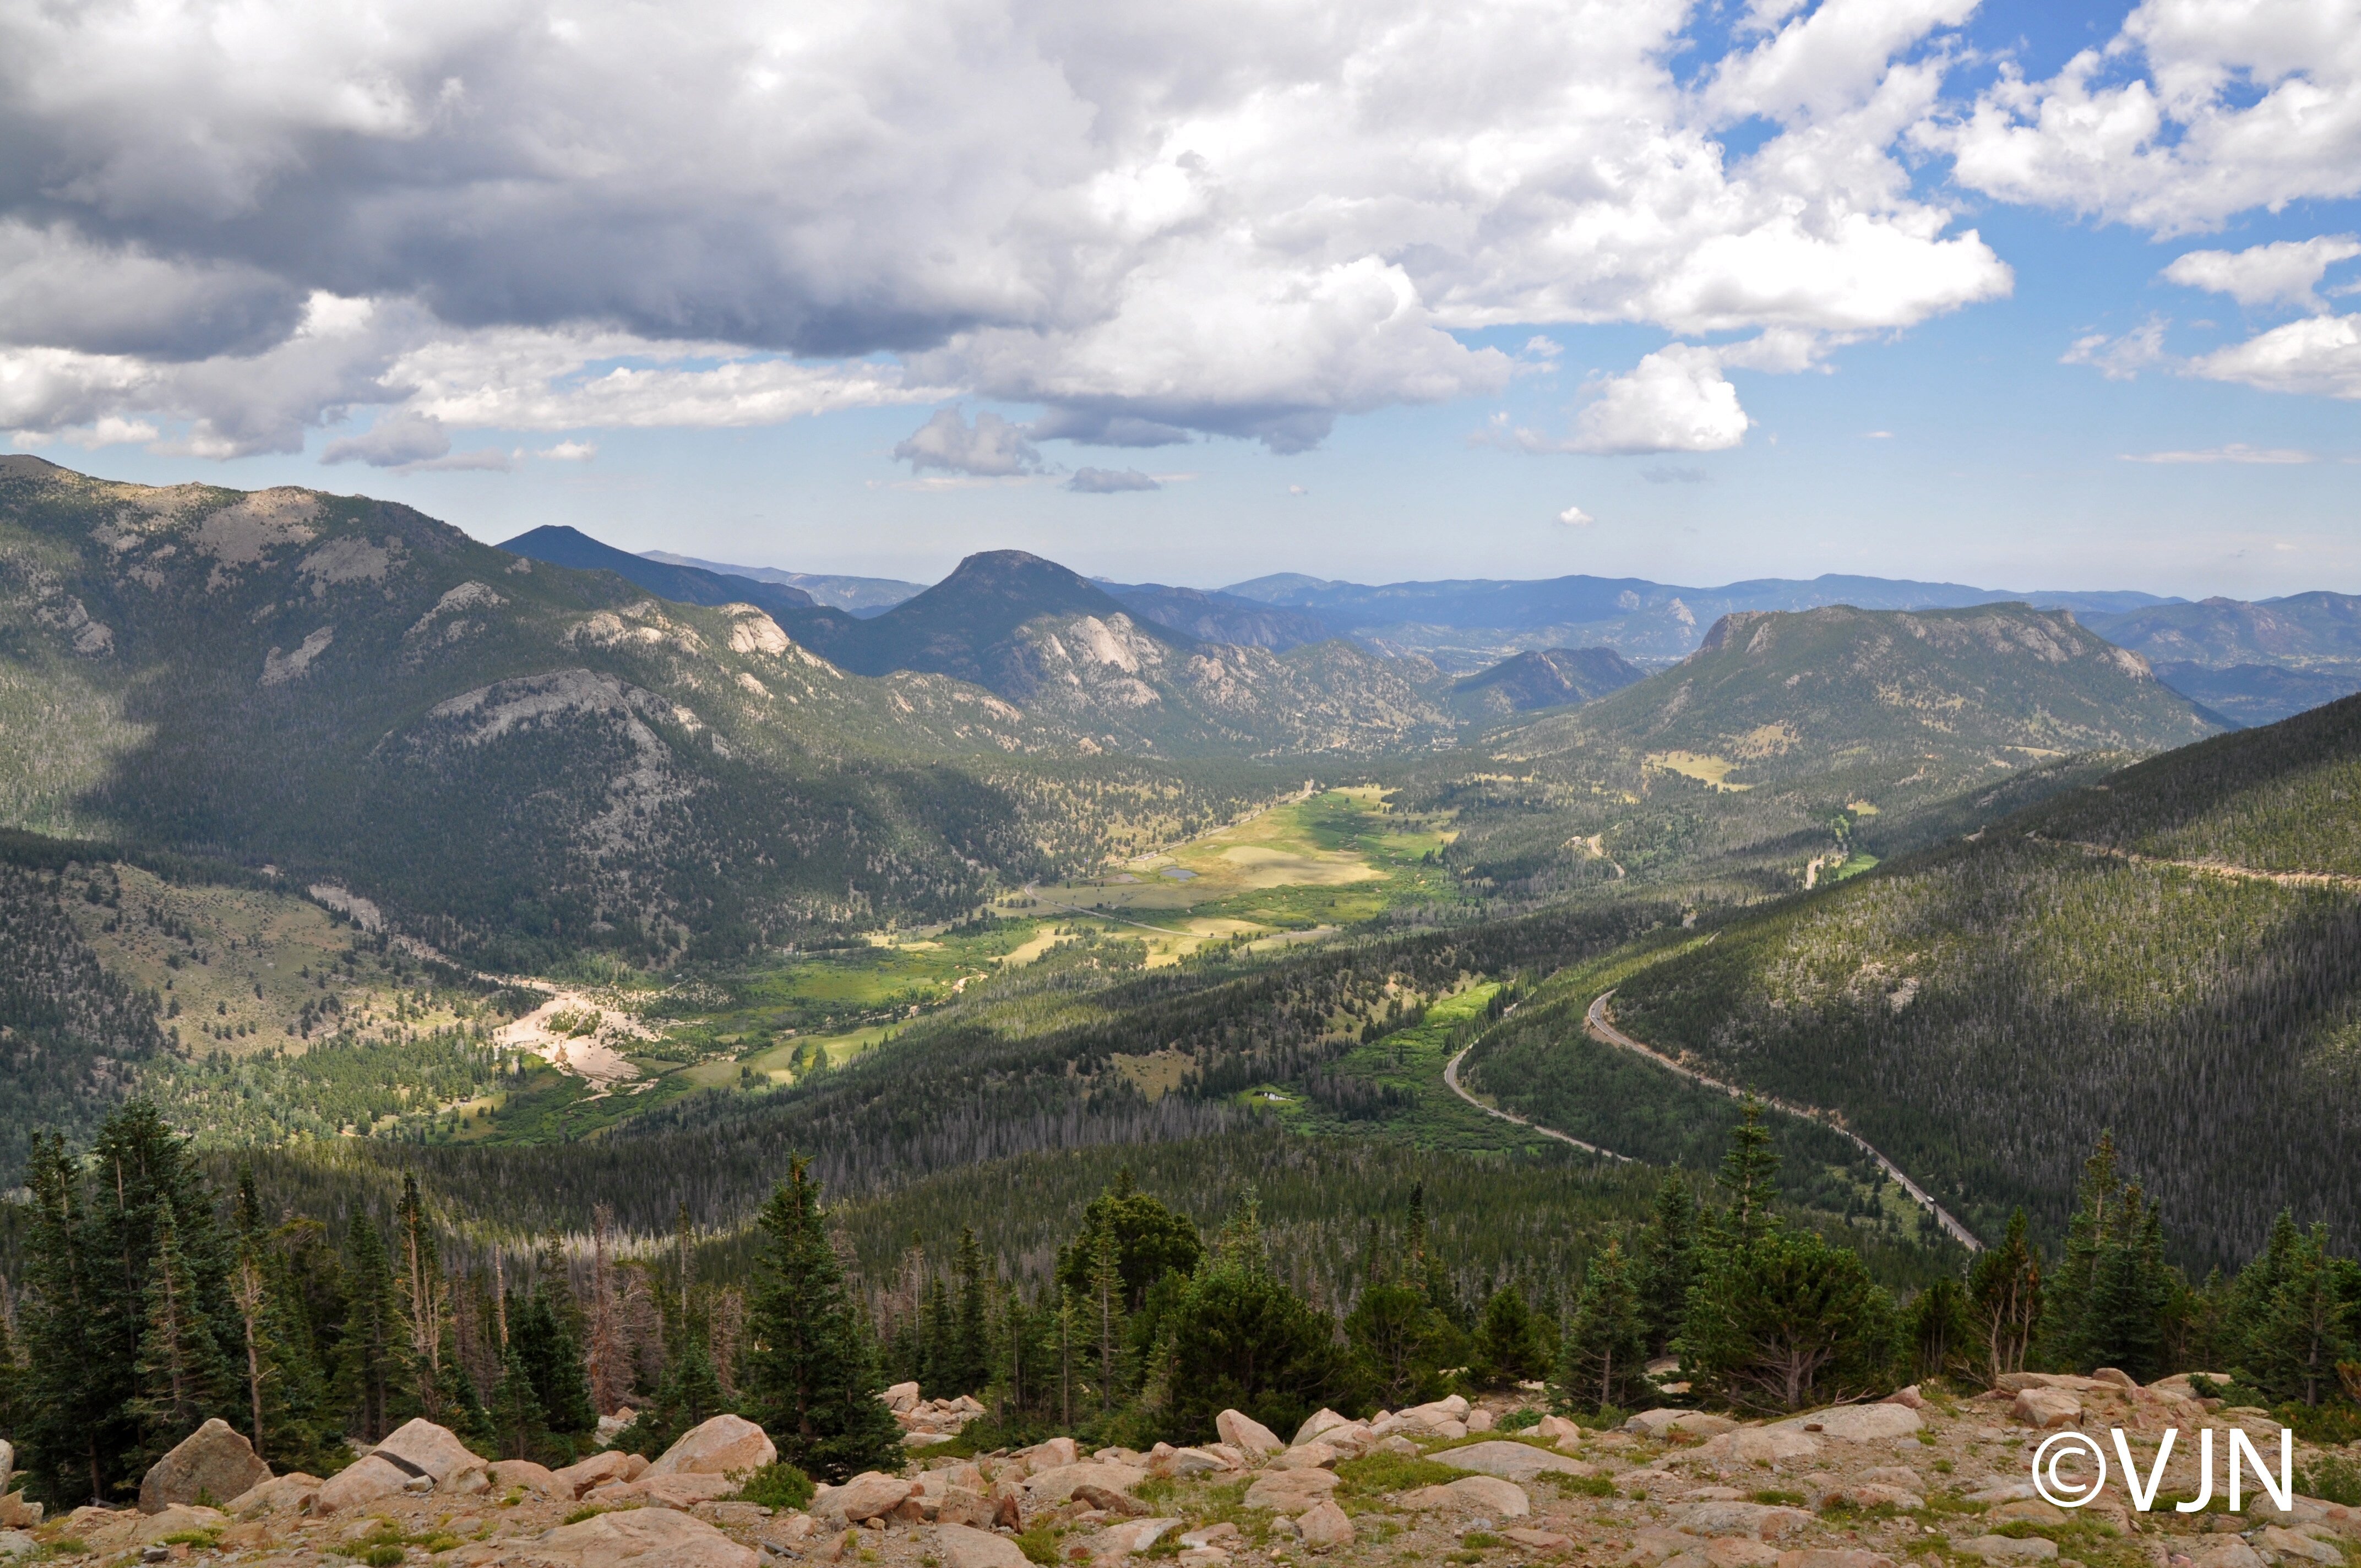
(2251, 662)
(563, 546)
(859, 596)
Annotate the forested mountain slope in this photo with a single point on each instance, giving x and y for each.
(1552, 677)
(511, 759)
(1982, 1012)
(1763, 753)
(563, 546)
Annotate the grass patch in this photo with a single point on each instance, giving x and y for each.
(1578, 1485)
(1040, 1544)
(592, 1510)
(1781, 1499)
(1516, 1421)
(1376, 1474)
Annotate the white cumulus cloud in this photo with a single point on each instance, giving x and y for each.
(2196, 110)
(990, 448)
(1154, 223)
(2285, 272)
(1574, 517)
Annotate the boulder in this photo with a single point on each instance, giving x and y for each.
(1702, 1423)
(1481, 1420)
(2224, 1552)
(2291, 1546)
(1057, 1486)
(1538, 1540)
(1133, 1535)
(901, 1397)
(1315, 1423)
(1910, 1397)
(2043, 1409)
(682, 1491)
(368, 1479)
(177, 1518)
(965, 1505)
(1900, 1476)
(2007, 1548)
(1243, 1432)
(1291, 1491)
(961, 1547)
(423, 1448)
(1307, 1456)
(524, 1473)
(214, 1461)
(1836, 1557)
(576, 1480)
(293, 1493)
(1474, 1494)
(1869, 1494)
(1108, 1502)
(1764, 1522)
(8, 1461)
(635, 1538)
(1186, 1461)
(471, 1482)
(726, 1445)
(611, 1427)
(2032, 1510)
(1557, 1430)
(1326, 1524)
(1759, 1445)
(16, 1543)
(868, 1496)
(1049, 1455)
(1857, 1423)
(1740, 1551)
(16, 1513)
(1652, 1423)
(1510, 1460)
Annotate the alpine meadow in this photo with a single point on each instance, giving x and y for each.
(979, 785)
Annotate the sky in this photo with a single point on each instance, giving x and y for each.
(2023, 295)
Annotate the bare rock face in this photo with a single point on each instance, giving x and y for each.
(1242, 1432)
(214, 1461)
(366, 1481)
(524, 1473)
(598, 1470)
(637, 1538)
(1326, 1524)
(293, 1494)
(177, 1518)
(1474, 1494)
(2045, 1408)
(1291, 1491)
(1057, 1486)
(7, 1463)
(726, 1445)
(961, 1547)
(1510, 1460)
(422, 1448)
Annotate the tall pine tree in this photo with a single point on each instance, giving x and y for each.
(1603, 1357)
(1667, 1265)
(810, 1371)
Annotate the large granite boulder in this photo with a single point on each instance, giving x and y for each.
(726, 1445)
(1510, 1460)
(214, 1463)
(636, 1538)
(422, 1448)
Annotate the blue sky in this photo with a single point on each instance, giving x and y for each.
(1389, 291)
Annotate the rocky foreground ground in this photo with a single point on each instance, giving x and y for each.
(1941, 1482)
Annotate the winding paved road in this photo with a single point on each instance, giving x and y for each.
(1450, 1076)
(1601, 1029)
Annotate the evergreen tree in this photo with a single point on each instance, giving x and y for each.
(1749, 1180)
(70, 1448)
(515, 1417)
(2005, 1301)
(973, 1361)
(1939, 1330)
(1242, 1339)
(544, 1340)
(1787, 1321)
(2308, 1326)
(939, 1349)
(1151, 1241)
(2065, 1338)
(2131, 1292)
(1603, 1357)
(373, 1373)
(1106, 1307)
(808, 1369)
(179, 1373)
(1512, 1343)
(1667, 1263)
(1400, 1342)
